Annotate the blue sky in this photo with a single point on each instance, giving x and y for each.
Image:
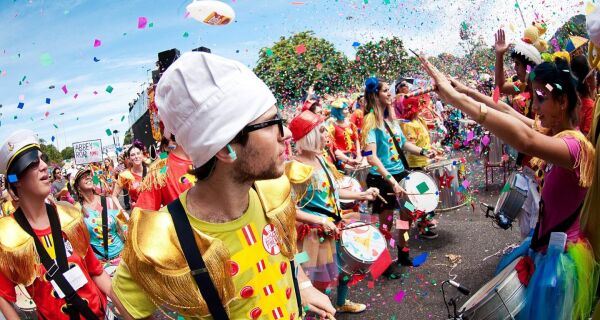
(65, 30)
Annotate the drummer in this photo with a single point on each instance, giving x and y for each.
(106, 244)
(384, 143)
(319, 213)
(345, 133)
(415, 129)
(566, 161)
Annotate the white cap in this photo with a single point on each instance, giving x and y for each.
(593, 26)
(15, 146)
(206, 100)
(529, 51)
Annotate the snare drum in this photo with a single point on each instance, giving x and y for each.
(495, 150)
(421, 191)
(501, 298)
(25, 306)
(359, 173)
(510, 202)
(447, 172)
(351, 184)
(360, 246)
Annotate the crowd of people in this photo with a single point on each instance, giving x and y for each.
(245, 216)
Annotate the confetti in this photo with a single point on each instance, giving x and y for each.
(402, 225)
(496, 94)
(12, 178)
(549, 87)
(96, 59)
(399, 296)
(46, 59)
(64, 89)
(300, 49)
(142, 22)
(21, 105)
(186, 34)
(109, 89)
(422, 188)
(108, 132)
(409, 206)
(47, 100)
(97, 43)
(163, 170)
(420, 259)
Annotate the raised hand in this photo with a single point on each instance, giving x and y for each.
(501, 46)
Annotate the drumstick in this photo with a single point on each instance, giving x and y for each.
(412, 194)
(362, 225)
(382, 199)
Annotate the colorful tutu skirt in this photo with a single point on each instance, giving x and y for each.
(322, 266)
(563, 282)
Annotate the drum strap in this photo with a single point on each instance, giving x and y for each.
(326, 212)
(104, 226)
(331, 189)
(538, 241)
(194, 259)
(398, 149)
(55, 269)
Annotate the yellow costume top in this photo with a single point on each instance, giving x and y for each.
(248, 260)
(417, 133)
(19, 260)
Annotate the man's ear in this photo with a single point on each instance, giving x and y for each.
(224, 155)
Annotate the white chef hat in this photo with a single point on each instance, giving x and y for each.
(593, 26)
(206, 100)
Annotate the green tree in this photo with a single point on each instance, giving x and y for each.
(67, 153)
(128, 137)
(289, 72)
(385, 58)
(54, 156)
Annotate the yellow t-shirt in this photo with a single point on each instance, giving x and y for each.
(262, 276)
(417, 133)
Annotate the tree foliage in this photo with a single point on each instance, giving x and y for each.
(289, 72)
(67, 153)
(128, 137)
(54, 156)
(385, 59)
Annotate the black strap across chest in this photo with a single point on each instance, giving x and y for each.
(538, 241)
(55, 269)
(194, 259)
(104, 226)
(398, 149)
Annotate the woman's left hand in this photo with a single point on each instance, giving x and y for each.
(429, 154)
(370, 194)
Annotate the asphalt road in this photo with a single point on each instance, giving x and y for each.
(462, 232)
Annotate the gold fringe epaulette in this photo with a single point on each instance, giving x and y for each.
(299, 175)
(19, 260)
(275, 198)
(156, 177)
(585, 160)
(157, 264)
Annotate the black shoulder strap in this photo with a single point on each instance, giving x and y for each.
(55, 268)
(195, 261)
(104, 226)
(538, 241)
(144, 171)
(398, 149)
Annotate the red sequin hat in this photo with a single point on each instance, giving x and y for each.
(303, 123)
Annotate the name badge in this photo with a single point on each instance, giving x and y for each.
(74, 277)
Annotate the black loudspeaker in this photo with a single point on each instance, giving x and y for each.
(202, 49)
(166, 58)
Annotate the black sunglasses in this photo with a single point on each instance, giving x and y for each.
(257, 126)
